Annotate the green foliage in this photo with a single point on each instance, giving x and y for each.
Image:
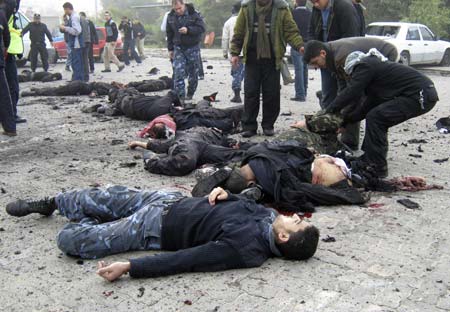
(432, 13)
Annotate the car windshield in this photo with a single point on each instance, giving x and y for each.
(383, 30)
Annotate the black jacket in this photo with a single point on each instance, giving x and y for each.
(302, 17)
(205, 238)
(139, 31)
(127, 29)
(93, 31)
(285, 176)
(193, 22)
(38, 31)
(381, 82)
(342, 22)
(111, 31)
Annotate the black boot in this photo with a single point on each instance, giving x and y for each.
(237, 96)
(20, 208)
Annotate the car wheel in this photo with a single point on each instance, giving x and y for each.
(405, 58)
(446, 58)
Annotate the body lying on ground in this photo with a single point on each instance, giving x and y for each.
(75, 88)
(27, 76)
(188, 150)
(221, 232)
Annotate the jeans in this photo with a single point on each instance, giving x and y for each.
(77, 64)
(112, 220)
(13, 82)
(329, 88)
(301, 74)
(261, 77)
(69, 56)
(7, 117)
(129, 46)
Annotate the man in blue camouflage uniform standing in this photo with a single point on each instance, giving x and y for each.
(185, 27)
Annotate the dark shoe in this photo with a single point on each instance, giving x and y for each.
(91, 71)
(249, 133)
(121, 67)
(189, 97)
(253, 193)
(268, 132)
(381, 171)
(10, 134)
(106, 71)
(319, 95)
(207, 184)
(237, 97)
(298, 99)
(201, 77)
(21, 208)
(20, 120)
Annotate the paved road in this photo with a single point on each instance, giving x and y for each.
(384, 259)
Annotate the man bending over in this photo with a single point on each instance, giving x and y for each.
(217, 233)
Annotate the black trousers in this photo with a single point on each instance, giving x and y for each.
(383, 116)
(35, 50)
(13, 80)
(350, 136)
(186, 155)
(85, 57)
(90, 48)
(261, 77)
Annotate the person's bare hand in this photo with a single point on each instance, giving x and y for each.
(171, 55)
(235, 61)
(133, 144)
(183, 30)
(113, 271)
(299, 124)
(62, 28)
(340, 130)
(302, 50)
(217, 194)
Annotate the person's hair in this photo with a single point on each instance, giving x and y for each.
(68, 5)
(236, 7)
(312, 50)
(174, 2)
(82, 14)
(301, 245)
(300, 2)
(107, 13)
(159, 131)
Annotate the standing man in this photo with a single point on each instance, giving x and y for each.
(185, 27)
(15, 49)
(332, 20)
(139, 34)
(90, 39)
(236, 72)
(302, 17)
(87, 42)
(129, 44)
(94, 40)
(6, 105)
(111, 39)
(262, 30)
(75, 41)
(38, 31)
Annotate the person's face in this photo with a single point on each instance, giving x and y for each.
(67, 11)
(37, 20)
(320, 4)
(179, 8)
(284, 226)
(107, 17)
(319, 61)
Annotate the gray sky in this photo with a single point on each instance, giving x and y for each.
(54, 7)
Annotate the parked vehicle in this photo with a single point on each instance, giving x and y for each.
(22, 22)
(61, 48)
(415, 43)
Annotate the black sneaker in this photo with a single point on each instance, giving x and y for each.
(106, 71)
(121, 67)
(268, 132)
(249, 133)
(206, 185)
(189, 97)
(253, 193)
(20, 120)
(20, 208)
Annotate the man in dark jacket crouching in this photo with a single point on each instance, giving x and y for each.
(220, 232)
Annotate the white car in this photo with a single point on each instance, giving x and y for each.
(22, 22)
(415, 43)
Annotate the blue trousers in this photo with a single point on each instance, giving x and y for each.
(329, 88)
(69, 56)
(13, 81)
(186, 65)
(7, 117)
(129, 45)
(77, 65)
(301, 74)
(238, 75)
(112, 220)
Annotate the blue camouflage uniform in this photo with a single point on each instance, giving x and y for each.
(186, 48)
(112, 220)
(238, 74)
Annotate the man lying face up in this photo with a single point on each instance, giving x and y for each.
(220, 232)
